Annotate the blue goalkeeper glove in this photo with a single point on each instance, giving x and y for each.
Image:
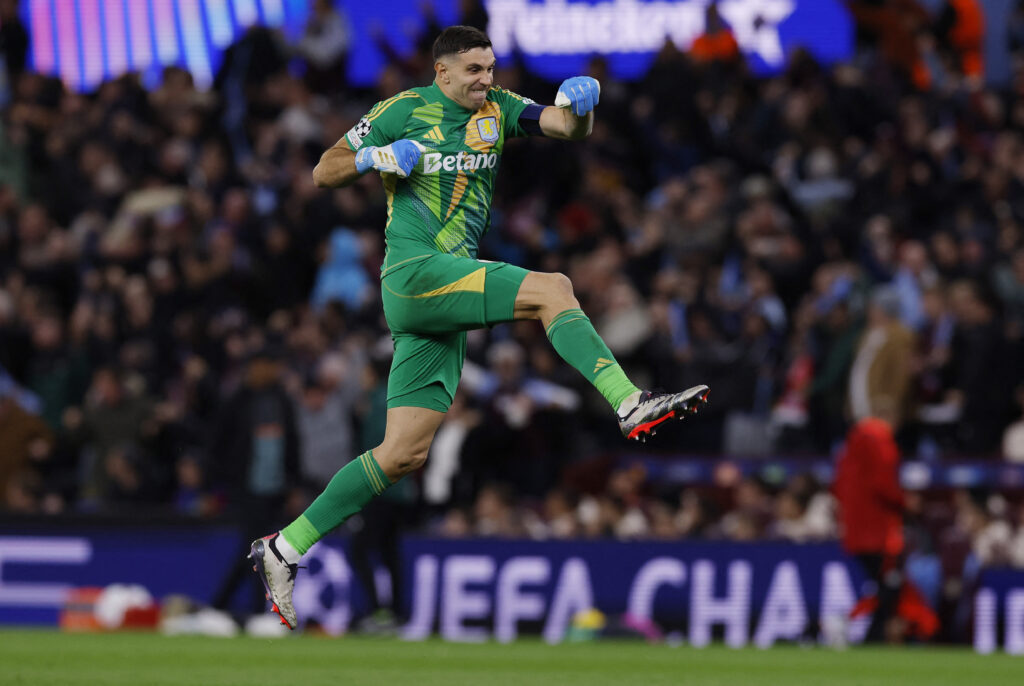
(398, 158)
(581, 93)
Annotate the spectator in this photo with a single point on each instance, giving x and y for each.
(750, 514)
(1016, 546)
(441, 476)
(324, 45)
(962, 24)
(115, 427)
(802, 512)
(341, 278)
(880, 375)
(324, 418)
(984, 390)
(189, 496)
(58, 372)
(716, 44)
(871, 513)
(835, 339)
(560, 516)
(938, 403)
(14, 41)
(789, 521)
(1008, 282)
(992, 533)
(512, 445)
(1013, 437)
(25, 440)
(494, 514)
(256, 445)
(695, 516)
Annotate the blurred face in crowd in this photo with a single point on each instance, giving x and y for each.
(107, 387)
(945, 249)
(914, 256)
(47, 332)
(262, 372)
(754, 325)
(749, 495)
(965, 303)
(465, 77)
(490, 504)
(787, 507)
(838, 317)
(190, 474)
(33, 224)
(313, 397)
(934, 303)
(507, 363)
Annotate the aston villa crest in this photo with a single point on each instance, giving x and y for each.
(488, 129)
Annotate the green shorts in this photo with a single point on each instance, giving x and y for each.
(430, 303)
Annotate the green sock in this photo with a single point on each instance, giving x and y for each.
(577, 342)
(352, 487)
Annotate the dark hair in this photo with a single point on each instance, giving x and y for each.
(459, 39)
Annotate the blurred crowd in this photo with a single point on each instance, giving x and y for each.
(186, 322)
(630, 507)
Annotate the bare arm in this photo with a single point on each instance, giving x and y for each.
(337, 167)
(561, 123)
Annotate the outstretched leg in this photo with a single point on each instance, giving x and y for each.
(404, 449)
(550, 299)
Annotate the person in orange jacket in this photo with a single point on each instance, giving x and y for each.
(716, 44)
(962, 23)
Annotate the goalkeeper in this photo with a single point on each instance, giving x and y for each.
(437, 150)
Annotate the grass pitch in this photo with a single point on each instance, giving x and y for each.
(40, 658)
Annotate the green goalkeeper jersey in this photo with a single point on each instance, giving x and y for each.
(445, 203)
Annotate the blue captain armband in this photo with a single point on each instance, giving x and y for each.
(529, 119)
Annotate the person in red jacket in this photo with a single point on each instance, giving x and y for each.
(871, 508)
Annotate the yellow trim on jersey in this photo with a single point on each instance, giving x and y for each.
(389, 267)
(383, 103)
(461, 181)
(389, 192)
(470, 283)
(565, 321)
(506, 91)
(391, 101)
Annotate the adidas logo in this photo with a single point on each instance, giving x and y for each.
(434, 135)
(601, 364)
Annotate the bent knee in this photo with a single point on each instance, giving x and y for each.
(413, 461)
(558, 294)
(397, 463)
(560, 285)
(545, 294)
